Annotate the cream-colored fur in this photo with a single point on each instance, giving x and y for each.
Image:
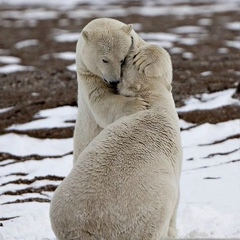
(101, 49)
(125, 183)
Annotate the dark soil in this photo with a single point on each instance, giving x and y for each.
(51, 84)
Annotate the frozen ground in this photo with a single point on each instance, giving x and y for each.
(36, 135)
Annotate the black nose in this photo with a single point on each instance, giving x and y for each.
(115, 83)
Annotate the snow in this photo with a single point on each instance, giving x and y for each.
(210, 222)
(188, 29)
(188, 41)
(223, 50)
(185, 125)
(233, 44)
(207, 73)
(208, 134)
(9, 59)
(176, 50)
(25, 145)
(92, 13)
(14, 68)
(188, 55)
(54, 3)
(72, 67)
(209, 101)
(27, 43)
(209, 205)
(159, 36)
(182, 10)
(3, 110)
(67, 37)
(31, 14)
(34, 218)
(205, 21)
(35, 168)
(50, 118)
(235, 26)
(62, 55)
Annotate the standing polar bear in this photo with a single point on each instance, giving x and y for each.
(101, 49)
(125, 183)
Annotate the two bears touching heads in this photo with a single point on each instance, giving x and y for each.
(124, 184)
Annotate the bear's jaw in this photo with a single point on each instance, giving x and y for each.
(112, 83)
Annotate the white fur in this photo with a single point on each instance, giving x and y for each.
(101, 40)
(125, 183)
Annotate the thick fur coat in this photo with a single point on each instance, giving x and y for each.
(101, 50)
(125, 183)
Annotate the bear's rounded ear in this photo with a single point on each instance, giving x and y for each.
(127, 28)
(86, 35)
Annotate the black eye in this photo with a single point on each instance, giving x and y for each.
(105, 61)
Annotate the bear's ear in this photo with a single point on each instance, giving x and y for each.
(127, 28)
(87, 35)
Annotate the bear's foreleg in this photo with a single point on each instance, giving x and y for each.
(107, 106)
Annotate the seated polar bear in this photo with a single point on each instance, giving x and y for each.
(101, 49)
(125, 183)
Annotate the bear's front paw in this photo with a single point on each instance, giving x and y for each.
(148, 59)
(141, 60)
(136, 104)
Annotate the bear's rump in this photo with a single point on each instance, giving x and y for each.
(110, 207)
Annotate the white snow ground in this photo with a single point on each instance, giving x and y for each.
(210, 183)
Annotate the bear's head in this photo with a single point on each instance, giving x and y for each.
(146, 70)
(104, 45)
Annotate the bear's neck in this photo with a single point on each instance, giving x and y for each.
(158, 97)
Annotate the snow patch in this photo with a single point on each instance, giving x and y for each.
(9, 59)
(235, 26)
(51, 118)
(205, 21)
(3, 110)
(15, 68)
(233, 44)
(188, 55)
(30, 14)
(67, 37)
(25, 145)
(209, 133)
(27, 43)
(188, 29)
(209, 101)
(72, 67)
(208, 222)
(207, 73)
(71, 56)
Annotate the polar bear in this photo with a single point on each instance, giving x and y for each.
(101, 49)
(125, 183)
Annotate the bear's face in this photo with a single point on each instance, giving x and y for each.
(146, 69)
(105, 51)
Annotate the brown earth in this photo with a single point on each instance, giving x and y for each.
(52, 85)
